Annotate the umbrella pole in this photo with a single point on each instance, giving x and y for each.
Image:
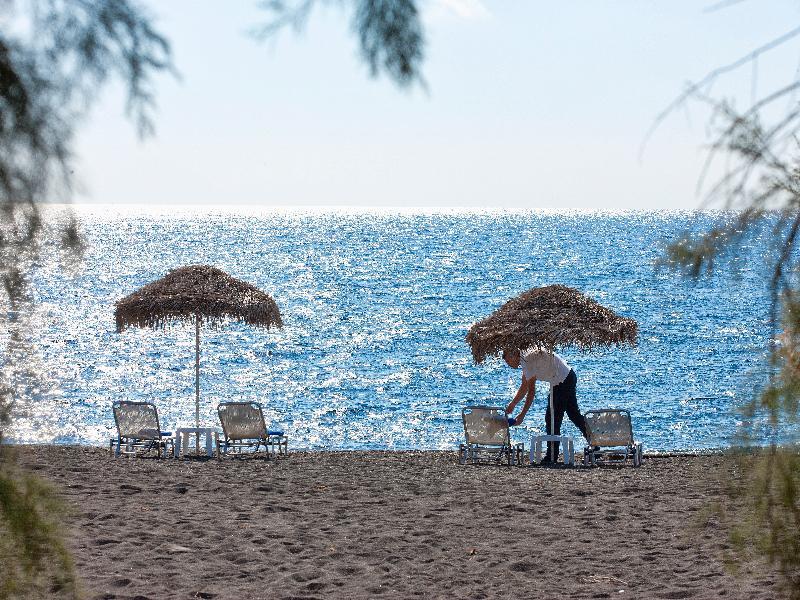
(552, 426)
(197, 381)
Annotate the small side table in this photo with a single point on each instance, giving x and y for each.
(182, 438)
(566, 443)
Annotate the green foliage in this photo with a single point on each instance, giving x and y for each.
(54, 57)
(768, 518)
(760, 188)
(33, 559)
(389, 32)
(391, 37)
(54, 54)
(767, 521)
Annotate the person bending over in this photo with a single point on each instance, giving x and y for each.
(550, 367)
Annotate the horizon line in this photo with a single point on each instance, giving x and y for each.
(352, 209)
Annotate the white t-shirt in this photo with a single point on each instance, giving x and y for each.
(544, 366)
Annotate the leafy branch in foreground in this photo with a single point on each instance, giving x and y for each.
(389, 32)
(35, 561)
(759, 188)
(54, 57)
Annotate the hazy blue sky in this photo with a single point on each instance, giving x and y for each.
(529, 104)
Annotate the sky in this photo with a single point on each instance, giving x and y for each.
(527, 105)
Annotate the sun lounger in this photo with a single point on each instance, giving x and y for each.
(488, 437)
(138, 431)
(610, 438)
(243, 428)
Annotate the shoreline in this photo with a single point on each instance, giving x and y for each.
(578, 450)
(393, 524)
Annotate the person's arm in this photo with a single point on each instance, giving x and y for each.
(531, 393)
(523, 389)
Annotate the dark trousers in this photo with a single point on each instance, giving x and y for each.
(564, 400)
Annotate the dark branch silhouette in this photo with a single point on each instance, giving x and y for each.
(389, 32)
(55, 55)
(760, 188)
(695, 89)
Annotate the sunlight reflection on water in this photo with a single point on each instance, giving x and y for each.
(376, 308)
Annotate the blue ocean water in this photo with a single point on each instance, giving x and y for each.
(376, 307)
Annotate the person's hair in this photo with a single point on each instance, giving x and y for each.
(508, 352)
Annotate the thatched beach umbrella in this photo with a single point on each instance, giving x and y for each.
(198, 293)
(551, 317)
(555, 316)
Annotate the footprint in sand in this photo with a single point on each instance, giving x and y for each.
(377, 590)
(304, 576)
(524, 566)
(292, 549)
(677, 594)
(106, 541)
(316, 586)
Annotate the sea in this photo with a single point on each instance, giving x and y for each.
(376, 306)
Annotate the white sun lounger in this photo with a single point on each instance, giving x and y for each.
(487, 437)
(138, 431)
(610, 438)
(243, 428)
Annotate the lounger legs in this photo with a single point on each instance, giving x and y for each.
(510, 455)
(281, 442)
(591, 455)
(277, 446)
(164, 447)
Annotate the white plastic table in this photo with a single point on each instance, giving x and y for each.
(566, 443)
(182, 438)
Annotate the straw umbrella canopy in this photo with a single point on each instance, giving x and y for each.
(555, 316)
(198, 293)
(550, 317)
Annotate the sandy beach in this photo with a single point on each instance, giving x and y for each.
(392, 525)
